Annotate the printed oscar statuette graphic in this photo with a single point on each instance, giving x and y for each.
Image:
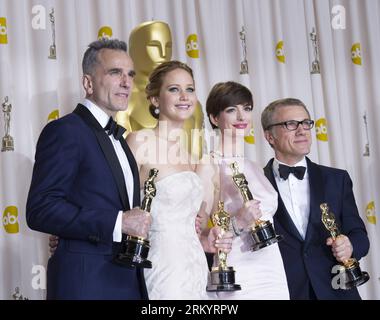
(315, 68)
(244, 62)
(52, 49)
(222, 278)
(354, 277)
(7, 141)
(135, 250)
(17, 295)
(366, 150)
(262, 232)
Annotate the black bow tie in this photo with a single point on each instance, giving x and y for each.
(284, 171)
(113, 128)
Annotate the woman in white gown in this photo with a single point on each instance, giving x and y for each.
(260, 273)
(177, 252)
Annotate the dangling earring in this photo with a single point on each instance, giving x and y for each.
(157, 110)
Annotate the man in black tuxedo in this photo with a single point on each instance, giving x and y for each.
(308, 251)
(85, 186)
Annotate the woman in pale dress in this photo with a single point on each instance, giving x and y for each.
(260, 273)
(179, 265)
(177, 252)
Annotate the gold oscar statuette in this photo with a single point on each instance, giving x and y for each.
(134, 250)
(262, 232)
(7, 143)
(222, 278)
(354, 277)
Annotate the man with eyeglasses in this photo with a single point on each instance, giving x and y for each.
(307, 249)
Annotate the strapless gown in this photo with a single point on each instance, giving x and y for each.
(179, 269)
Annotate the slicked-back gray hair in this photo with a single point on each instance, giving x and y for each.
(270, 110)
(90, 58)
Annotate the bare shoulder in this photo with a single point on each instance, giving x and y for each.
(140, 143)
(135, 138)
(140, 134)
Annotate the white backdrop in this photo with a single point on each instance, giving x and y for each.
(41, 89)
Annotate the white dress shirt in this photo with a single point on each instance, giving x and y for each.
(295, 194)
(103, 119)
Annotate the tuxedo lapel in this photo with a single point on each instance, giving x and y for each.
(135, 172)
(136, 202)
(282, 215)
(108, 151)
(316, 198)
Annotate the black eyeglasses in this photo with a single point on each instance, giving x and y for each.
(292, 125)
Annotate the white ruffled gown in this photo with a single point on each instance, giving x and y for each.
(180, 268)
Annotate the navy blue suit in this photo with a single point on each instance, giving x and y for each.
(76, 192)
(308, 262)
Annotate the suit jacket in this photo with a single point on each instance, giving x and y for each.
(308, 262)
(76, 192)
